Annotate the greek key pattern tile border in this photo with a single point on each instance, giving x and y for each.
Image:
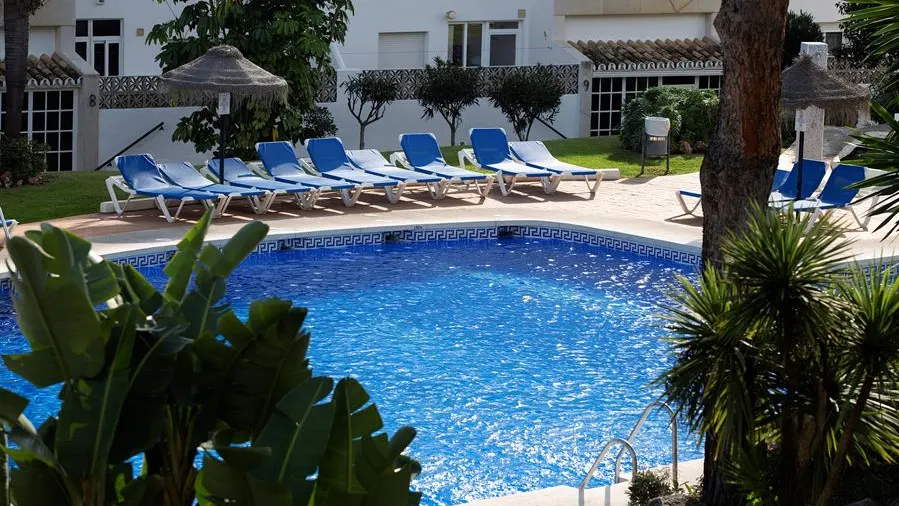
(595, 239)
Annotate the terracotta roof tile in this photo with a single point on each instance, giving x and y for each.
(646, 54)
(47, 70)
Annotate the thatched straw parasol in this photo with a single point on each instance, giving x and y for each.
(220, 74)
(804, 84)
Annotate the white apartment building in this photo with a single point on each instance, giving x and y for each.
(92, 92)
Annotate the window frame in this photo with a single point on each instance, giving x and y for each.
(92, 40)
(29, 112)
(486, 33)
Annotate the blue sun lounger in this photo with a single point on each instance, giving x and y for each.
(142, 177)
(780, 176)
(373, 162)
(8, 225)
(329, 159)
(237, 173)
(185, 175)
(490, 151)
(836, 194)
(534, 154)
(813, 172)
(281, 162)
(421, 153)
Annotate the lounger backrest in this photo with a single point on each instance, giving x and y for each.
(837, 189)
(327, 153)
(421, 149)
(367, 158)
(779, 177)
(278, 158)
(813, 172)
(141, 172)
(531, 152)
(235, 168)
(490, 145)
(184, 174)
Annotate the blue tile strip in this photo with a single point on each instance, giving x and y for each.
(416, 234)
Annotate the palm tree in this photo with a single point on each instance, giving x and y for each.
(16, 14)
(776, 351)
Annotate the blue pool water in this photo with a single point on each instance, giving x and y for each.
(515, 359)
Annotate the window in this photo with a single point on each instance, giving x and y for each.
(49, 118)
(99, 42)
(610, 94)
(834, 40)
(402, 50)
(480, 44)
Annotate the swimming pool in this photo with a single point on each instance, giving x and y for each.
(515, 359)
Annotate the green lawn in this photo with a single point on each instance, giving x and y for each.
(74, 193)
(606, 153)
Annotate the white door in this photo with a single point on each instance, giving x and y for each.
(401, 50)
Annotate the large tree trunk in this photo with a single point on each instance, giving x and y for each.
(15, 27)
(743, 152)
(739, 166)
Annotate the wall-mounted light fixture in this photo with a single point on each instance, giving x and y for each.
(451, 15)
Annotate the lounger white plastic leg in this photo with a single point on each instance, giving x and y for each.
(394, 194)
(491, 180)
(269, 200)
(593, 188)
(160, 202)
(551, 183)
(683, 204)
(348, 199)
(118, 181)
(501, 180)
(181, 206)
(307, 200)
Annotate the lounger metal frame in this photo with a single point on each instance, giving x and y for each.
(592, 188)
(549, 183)
(443, 187)
(306, 200)
(393, 194)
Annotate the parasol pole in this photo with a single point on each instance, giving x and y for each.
(224, 112)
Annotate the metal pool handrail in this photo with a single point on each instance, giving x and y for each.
(625, 446)
(636, 430)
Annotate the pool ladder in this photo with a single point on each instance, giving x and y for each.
(627, 447)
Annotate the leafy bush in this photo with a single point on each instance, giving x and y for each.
(647, 485)
(800, 28)
(693, 114)
(21, 161)
(367, 95)
(159, 374)
(448, 89)
(525, 94)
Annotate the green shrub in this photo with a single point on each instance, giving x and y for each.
(647, 485)
(693, 114)
(527, 94)
(21, 161)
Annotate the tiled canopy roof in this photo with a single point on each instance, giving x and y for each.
(47, 71)
(649, 55)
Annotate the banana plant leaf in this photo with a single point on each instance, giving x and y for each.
(12, 406)
(385, 473)
(141, 492)
(222, 484)
(38, 478)
(297, 433)
(45, 287)
(353, 418)
(256, 364)
(180, 268)
(91, 407)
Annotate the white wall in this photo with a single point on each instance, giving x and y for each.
(360, 49)
(120, 127)
(636, 27)
(824, 11)
(138, 56)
